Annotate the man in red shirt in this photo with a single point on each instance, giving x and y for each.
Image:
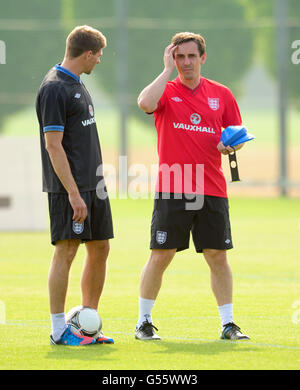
(191, 196)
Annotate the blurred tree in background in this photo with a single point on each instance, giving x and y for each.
(266, 41)
(29, 52)
(36, 32)
(151, 27)
(31, 49)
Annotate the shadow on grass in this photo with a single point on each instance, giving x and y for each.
(84, 353)
(204, 348)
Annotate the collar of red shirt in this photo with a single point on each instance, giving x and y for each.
(193, 91)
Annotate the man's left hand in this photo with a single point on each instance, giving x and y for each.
(228, 149)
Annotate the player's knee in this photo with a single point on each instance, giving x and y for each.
(104, 248)
(65, 250)
(215, 257)
(161, 258)
(98, 250)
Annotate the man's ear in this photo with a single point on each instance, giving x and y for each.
(87, 54)
(203, 58)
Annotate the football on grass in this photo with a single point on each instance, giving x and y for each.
(84, 321)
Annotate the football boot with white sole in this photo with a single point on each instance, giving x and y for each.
(146, 332)
(231, 331)
(74, 339)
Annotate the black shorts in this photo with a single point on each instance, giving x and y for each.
(172, 223)
(97, 225)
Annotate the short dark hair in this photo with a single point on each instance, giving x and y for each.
(84, 38)
(183, 37)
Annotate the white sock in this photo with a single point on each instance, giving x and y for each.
(58, 325)
(226, 313)
(145, 310)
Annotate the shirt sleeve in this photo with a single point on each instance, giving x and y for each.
(231, 115)
(53, 109)
(160, 104)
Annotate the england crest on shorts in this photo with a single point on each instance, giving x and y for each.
(78, 227)
(213, 103)
(161, 237)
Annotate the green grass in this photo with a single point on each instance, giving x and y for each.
(265, 264)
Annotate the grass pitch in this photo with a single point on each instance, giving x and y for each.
(265, 263)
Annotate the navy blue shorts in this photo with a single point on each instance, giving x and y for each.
(173, 222)
(97, 226)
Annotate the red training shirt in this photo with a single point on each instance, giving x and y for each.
(189, 124)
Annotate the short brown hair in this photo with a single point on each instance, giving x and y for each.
(183, 37)
(84, 38)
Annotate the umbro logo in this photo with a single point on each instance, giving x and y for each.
(77, 96)
(176, 99)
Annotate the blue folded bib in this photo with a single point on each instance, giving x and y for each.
(235, 135)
